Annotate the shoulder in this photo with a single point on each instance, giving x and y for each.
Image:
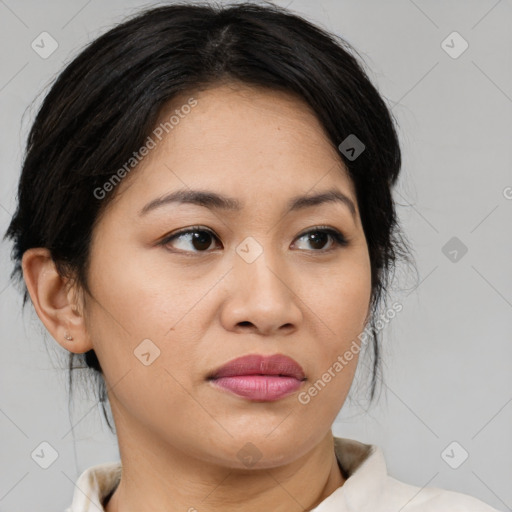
(371, 488)
(410, 498)
(93, 485)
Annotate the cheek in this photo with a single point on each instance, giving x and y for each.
(134, 297)
(139, 324)
(342, 307)
(340, 304)
(350, 301)
(341, 298)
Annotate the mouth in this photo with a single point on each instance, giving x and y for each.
(258, 377)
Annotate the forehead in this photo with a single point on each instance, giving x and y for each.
(242, 141)
(240, 117)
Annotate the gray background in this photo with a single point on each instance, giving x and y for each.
(447, 353)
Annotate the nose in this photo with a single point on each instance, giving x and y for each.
(261, 297)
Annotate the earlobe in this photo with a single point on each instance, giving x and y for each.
(53, 301)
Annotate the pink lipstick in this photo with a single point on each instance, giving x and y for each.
(259, 378)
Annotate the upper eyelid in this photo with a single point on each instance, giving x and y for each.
(193, 229)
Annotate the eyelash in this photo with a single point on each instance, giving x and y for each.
(338, 238)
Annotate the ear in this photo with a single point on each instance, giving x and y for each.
(54, 301)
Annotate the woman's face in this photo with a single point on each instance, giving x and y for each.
(166, 313)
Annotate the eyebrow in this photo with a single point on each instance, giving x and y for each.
(215, 201)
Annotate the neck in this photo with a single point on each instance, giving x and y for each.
(165, 478)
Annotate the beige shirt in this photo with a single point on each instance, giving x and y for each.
(368, 487)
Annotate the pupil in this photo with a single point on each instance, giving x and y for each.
(201, 240)
(318, 237)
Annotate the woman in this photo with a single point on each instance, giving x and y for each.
(205, 220)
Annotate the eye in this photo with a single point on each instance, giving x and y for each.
(197, 236)
(319, 236)
(200, 239)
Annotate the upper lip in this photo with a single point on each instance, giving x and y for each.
(257, 364)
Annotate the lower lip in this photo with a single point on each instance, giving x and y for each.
(263, 388)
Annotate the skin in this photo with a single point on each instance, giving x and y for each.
(178, 435)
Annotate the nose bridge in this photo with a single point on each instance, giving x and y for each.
(259, 292)
(257, 267)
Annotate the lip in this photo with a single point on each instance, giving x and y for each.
(259, 377)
